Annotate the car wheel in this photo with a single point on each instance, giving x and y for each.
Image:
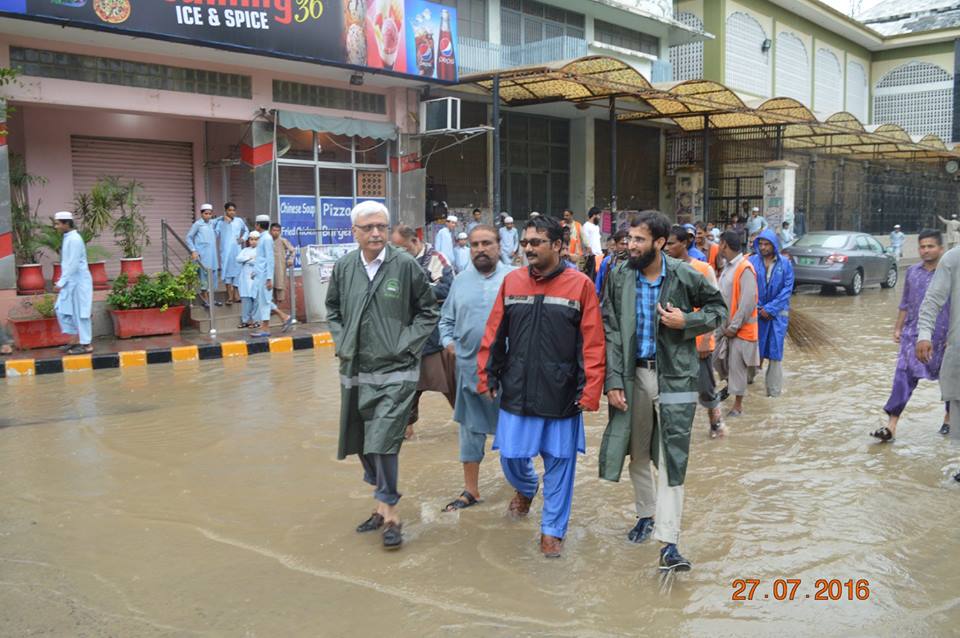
(891, 281)
(856, 284)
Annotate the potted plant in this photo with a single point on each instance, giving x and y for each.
(153, 305)
(130, 230)
(25, 228)
(94, 213)
(34, 324)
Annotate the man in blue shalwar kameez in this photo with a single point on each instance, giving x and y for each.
(462, 324)
(202, 242)
(774, 287)
(232, 232)
(75, 286)
(543, 355)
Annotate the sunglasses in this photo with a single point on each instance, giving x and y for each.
(369, 228)
(535, 242)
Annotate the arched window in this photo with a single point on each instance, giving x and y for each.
(918, 96)
(747, 66)
(687, 59)
(792, 68)
(828, 89)
(857, 91)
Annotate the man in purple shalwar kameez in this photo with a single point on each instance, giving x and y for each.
(909, 369)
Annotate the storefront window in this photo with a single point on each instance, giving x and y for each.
(371, 151)
(298, 144)
(334, 148)
(335, 182)
(296, 180)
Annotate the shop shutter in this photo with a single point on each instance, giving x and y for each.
(164, 168)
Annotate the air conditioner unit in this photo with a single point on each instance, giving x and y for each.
(440, 115)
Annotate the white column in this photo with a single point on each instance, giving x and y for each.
(779, 192)
(582, 156)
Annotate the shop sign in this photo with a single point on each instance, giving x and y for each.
(299, 212)
(404, 37)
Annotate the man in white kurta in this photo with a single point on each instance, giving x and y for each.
(444, 241)
(231, 232)
(953, 230)
(202, 242)
(75, 286)
(263, 270)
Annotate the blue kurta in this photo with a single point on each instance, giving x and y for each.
(202, 239)
(246, 261)
(773, 296)
(231, 233)
(463, 321)
(75, 301)
(444, 243)
(461, 259)
(263, 269)
(509, 242)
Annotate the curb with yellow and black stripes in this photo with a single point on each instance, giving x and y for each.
(140, 358)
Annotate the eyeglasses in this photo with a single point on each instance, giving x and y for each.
(535, 242)
(369, 228)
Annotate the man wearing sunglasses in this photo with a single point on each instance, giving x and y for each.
(381, 310)
(543, 355)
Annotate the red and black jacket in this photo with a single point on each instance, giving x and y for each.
(544, 345)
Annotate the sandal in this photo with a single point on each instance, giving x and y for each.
(243, 326)
(465, 500)
(884, 434)
(78, 349)
(393, 535)
(375, 522)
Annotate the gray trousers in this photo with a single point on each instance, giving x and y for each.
(774, 378)
(381, 470)
(955, 421)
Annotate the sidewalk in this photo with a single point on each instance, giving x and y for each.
(189, 345)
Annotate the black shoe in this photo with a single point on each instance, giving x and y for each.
(956, 477)
(642, 530)
(945, 429)
(393, 536)
(724, 394)
(373, 523)
(671, 559)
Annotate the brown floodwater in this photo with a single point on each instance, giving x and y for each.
(206, 499)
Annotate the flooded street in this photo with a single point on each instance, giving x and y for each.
(205, 499)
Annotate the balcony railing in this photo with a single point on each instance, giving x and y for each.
(480, 55)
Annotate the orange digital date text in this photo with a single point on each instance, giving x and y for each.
(790, 589)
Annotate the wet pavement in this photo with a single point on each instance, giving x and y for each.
(205, 499)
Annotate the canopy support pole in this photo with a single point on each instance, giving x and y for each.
(496, 146)
(613, 154)
(706, 167)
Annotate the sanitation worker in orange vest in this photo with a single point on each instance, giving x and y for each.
(737, 350)
(576, 236)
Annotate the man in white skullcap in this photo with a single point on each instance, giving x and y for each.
(202, 242)
(953, 230)
(443, 243)
(509, 241)
(263, 279)
(896, 241)
(461, 254)
(381, 310)
(75, 286)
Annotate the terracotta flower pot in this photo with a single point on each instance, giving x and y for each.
(56, 273)
(37, 333)
(132, 267)
(30, 279)
(149, 321)
(98, 270)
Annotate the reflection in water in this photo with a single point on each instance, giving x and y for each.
(183, 499)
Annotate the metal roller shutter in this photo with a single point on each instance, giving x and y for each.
(164, 168)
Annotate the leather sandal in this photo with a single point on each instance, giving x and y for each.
(465, 500)
(520, 505)
(884, 434)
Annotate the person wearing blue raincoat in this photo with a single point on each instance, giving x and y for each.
(231, 232)
(75, 286)
(202, 242)
(774, 287)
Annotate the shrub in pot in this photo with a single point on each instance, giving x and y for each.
(34, 324)
(153, 305)
(25, 227)
(130, 230)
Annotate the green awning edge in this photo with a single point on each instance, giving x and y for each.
(338, 125)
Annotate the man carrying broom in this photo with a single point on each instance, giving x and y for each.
(774, 287)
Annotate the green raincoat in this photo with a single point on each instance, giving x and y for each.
(379, 328)
(677, 362)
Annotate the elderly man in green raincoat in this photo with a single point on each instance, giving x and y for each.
(653, 309)
(381, 310)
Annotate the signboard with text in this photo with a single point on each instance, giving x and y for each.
(406, 37)
(299, 213)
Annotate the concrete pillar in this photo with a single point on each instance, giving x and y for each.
(582, 158)
(779, 192)
(8, 268)
(688, 189)
(257, 152)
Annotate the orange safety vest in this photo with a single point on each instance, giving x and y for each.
(714, 251)
(703, 269)
(750, 330)
(575, 249)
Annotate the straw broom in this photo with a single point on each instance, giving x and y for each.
(808, 333)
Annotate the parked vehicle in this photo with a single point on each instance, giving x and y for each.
(842, 258)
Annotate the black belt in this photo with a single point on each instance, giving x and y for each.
(649, 364)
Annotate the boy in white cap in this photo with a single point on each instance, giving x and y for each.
(443, 243)
(75, 286)
(509, 241)
(246, 284)
(263, 270)
(896, 241)
(461, 254)
(202, 242)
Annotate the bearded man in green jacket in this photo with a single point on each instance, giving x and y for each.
(653, 309)
(381, 310)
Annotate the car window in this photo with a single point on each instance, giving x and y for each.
(822, 241)
(874, 245)
(862, 243)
